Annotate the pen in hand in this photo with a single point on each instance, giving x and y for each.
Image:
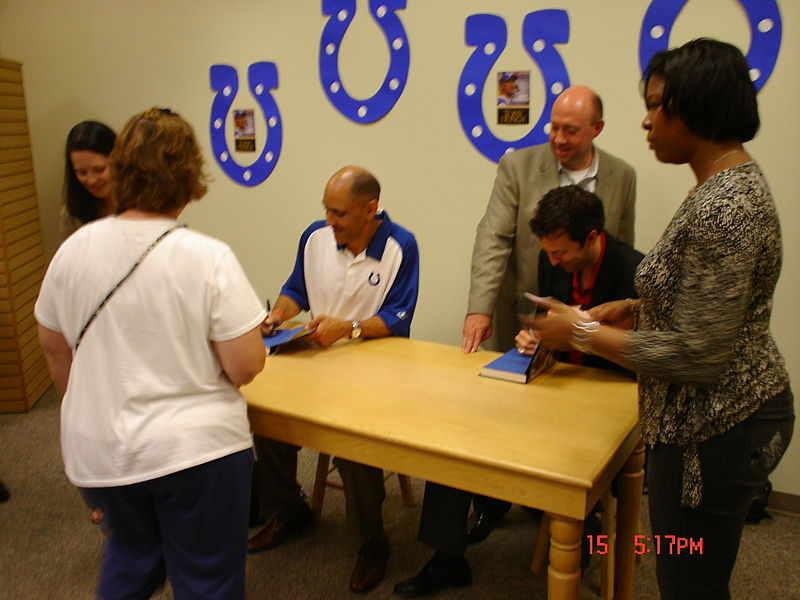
(268, 328)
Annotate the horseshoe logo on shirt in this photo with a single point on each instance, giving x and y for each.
(341, 13)
(765, 34)
(541, 30)
(374, 278)
(262, 77)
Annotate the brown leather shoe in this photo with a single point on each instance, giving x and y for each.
(280, 526)
(371, 564)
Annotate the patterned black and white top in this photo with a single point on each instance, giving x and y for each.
(703, 350)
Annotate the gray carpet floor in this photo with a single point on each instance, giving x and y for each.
(50, 550)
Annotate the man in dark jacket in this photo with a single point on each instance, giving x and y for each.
(582, 265)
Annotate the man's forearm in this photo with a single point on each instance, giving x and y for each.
(374, 327)
(285, 308)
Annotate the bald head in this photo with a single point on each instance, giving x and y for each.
(576, 119)
(351, 202)
(356, 182)
(581, 100)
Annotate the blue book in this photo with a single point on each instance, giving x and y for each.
(281, 337)
(519, 368)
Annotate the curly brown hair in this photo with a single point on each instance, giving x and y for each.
(156, 164)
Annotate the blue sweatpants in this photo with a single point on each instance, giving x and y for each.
(190, 526)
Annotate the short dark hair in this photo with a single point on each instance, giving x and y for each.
(92, 136)
(707, 84)
(572, 208)
(365, 186)
(156, 164)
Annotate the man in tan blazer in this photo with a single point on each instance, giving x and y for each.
(505, 255)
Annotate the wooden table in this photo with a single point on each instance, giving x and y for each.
(420, 408)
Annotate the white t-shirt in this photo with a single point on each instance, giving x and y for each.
(146, 395)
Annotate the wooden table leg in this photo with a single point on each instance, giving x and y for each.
(542, 548)
(564, 571)
(320, 482)
(609, 527)
(629, 497)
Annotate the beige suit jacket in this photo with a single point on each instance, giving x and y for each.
(505, 257)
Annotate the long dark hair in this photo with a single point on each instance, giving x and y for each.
(94, 137)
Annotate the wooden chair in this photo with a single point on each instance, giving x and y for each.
(321, 482)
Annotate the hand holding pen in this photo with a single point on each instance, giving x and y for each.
(556, 330)
(271, 323)
(526, 341)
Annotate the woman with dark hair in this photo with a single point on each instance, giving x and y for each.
(148, 329)
(714, 400)
(87, 181)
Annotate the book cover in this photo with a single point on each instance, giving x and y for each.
(519, 368)
(281, 337)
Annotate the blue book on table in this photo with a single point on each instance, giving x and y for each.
(519, 368)
(511, 366)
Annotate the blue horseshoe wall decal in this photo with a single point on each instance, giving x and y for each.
(262, 77)
(341, 13)
(765, 34)
(541, 30)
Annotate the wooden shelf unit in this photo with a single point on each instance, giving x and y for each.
(23, 370)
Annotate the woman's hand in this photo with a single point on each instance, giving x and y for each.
(555, 329)
(618, 313)
(567, 328)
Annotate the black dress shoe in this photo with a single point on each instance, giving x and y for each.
(481, 525)
(280, 526)
(441, 571)
(371, 564)
(255, 521)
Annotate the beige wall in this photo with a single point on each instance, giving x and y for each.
(106, 60)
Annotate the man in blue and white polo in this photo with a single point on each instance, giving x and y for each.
(358, 275)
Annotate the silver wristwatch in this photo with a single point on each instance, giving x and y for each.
(355, 331)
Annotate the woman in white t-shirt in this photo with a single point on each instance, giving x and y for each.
(149, 359)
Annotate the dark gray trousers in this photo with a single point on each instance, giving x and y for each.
(363, 486)
(734, 465)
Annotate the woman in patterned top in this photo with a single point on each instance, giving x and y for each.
(714, 398)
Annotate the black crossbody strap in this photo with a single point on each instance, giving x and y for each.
(121, 281)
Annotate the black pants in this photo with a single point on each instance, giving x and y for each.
(443, 525)
(734, 465)
(492, 506)
(363, 487)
